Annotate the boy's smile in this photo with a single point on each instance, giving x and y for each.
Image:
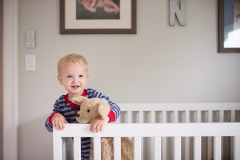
(75, 86)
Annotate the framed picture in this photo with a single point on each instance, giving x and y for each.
(97, 16)
(229, 26)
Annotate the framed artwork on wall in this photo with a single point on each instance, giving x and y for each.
(97, 16)
(229, 26)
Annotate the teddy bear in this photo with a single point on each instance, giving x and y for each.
(96, 107)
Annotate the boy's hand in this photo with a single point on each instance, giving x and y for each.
(58, 121)
(98, 124)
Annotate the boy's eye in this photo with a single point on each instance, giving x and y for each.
(69, 76)
(80, 75)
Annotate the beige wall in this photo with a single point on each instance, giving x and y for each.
(161, 63)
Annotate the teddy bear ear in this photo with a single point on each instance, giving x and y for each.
(103, 109)
(78, 100)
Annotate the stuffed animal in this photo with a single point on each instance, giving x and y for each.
(93, 108)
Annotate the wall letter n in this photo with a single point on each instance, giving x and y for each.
(180, 13)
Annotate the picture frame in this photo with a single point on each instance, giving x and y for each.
(76, 19)
(229, 26)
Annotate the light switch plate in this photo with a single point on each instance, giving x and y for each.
(30, 62)
(30, 41)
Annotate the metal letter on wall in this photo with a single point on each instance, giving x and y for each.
(180, 13)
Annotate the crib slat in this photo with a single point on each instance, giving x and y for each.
(97, 148)
(57, 145)
(164, 139)
(221, 119)
(210, 139)
(137, 148)
(164, 117)
(187, 139)
(175, 143)
(117, 148)
(197, 148)
(236, 148)
(198, 116)
(217, 147)
(152, 116)
(187, 117)
(175, 119)
(177, 148)
(187, 148)
(140, 117)
(152, 150)
(77, 150)
(232, 141)
(210, 113)
(157, 148)
(129, 117)
(221, 114)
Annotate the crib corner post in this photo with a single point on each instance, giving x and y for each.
(57, 144)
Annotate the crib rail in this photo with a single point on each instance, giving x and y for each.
(167, 115)
(158, 131)
(182, 113)
(179, 112)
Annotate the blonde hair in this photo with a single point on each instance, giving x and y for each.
(72, 58)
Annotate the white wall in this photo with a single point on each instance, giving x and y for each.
(161, 63)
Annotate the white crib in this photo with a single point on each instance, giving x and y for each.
(164, 132)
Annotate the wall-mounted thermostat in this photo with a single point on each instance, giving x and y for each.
(30, 42)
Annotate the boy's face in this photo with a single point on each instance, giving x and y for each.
(74, 78)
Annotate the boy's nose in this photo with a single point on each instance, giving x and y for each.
(75, 80)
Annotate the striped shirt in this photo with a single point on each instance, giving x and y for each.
(69, 110)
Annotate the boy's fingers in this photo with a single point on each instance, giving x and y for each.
(55, 125)
(58, 125)
(61, 125)
(97, 129)
(92, 127)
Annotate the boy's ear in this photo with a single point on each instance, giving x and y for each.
(103, 109)
(78, 100)
(59, 79)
